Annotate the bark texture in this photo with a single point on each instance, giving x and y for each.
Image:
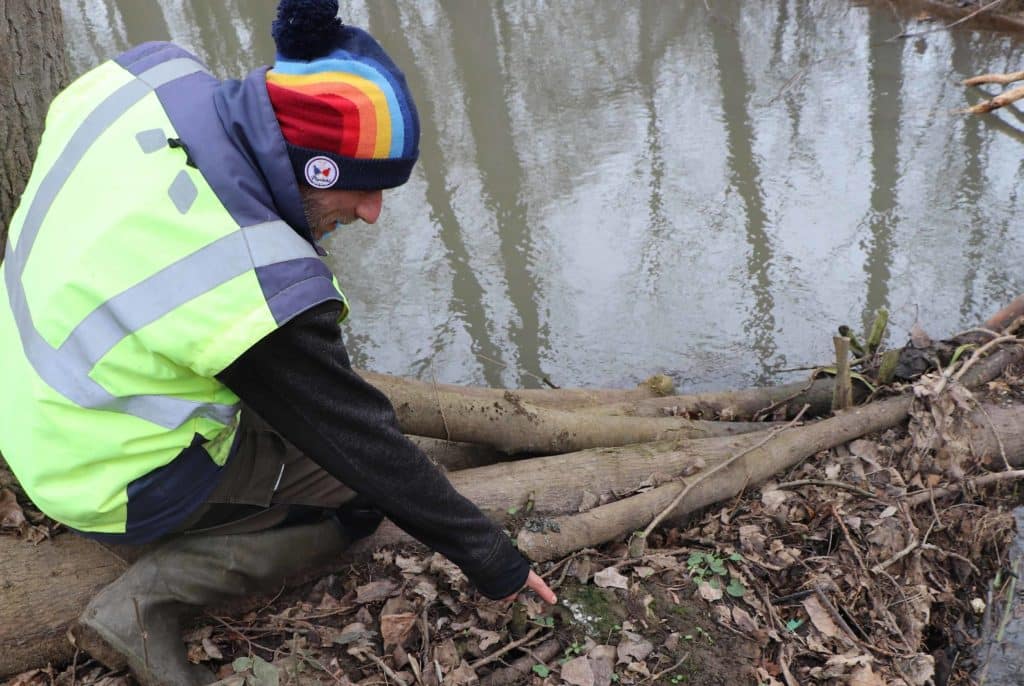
(33, 68)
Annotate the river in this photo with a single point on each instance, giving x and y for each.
(607, 190)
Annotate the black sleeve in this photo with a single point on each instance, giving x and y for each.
(300, 381)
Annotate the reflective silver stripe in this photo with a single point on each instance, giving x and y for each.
(275, 241)
(151, 140)
(171, 70)
(95, 123)
(183, 192)
(178, 283)
(67, 370)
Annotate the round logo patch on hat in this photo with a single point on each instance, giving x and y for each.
(321, 172)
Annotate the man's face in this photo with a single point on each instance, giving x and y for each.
(327, 209)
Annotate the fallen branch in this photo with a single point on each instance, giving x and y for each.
(922, 497)
(708, 474)
(401, 389)
(521, 668)
(567, 534)
(513, 426)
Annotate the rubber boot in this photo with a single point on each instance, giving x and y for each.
(137, 619)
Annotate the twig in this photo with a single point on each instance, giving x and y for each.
(849, 539)
(828, 482)
(654, 677)
(952, 489)
(799, 595)
(425, 629)
(959, 21)
(949, 553)
(836, 617)
(383, 667)
(719, 467)
(881, 566)
(979, 352)
(142, 631)
(784, 666)
(1011, 589)
(511, 646)
(74, 667)
(440, 406)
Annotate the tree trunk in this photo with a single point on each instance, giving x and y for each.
(513, 426)
(33, 68)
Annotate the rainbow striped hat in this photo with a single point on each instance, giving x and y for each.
(346, 113)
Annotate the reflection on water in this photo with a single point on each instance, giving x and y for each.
(609, 190)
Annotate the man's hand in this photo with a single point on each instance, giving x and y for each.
(539, 587)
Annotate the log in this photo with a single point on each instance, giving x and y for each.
(404, 388)
(567, 534)
(779, 402)
(513, 426)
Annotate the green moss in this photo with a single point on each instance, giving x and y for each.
(596, 611)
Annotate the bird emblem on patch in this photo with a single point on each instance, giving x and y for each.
(321, 172)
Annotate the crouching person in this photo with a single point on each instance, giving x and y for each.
(174, 377)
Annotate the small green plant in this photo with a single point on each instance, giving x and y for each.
(541, 670)
(700, 633)
(710, 568)
(569, 653)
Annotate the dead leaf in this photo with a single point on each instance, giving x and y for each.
(410, 565)
(918, 337)
(743, 621)
(375, 590)
(487, 638)
(611, 578)
(395, 629)
(752, 540)
(602, 664)
(633, 647)
(11, 514)
(212, 651)
(447, 654)
(463, 676)
(578, 672)
(820, 617)
(709, 592)
(774, 499)
(329, 603)
(426, 589)
(919, 669)
(864, 676)
(582, 570)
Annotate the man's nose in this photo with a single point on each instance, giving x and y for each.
(369, 206)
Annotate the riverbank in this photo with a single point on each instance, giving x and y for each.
(1007, 15)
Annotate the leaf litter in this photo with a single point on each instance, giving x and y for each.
(830, 574)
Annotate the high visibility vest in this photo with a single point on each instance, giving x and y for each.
(148, 253)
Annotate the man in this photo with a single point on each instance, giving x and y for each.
(161, 271)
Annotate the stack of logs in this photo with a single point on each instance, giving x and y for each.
(564, 469)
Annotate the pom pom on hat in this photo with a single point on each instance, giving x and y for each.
(345, 111)
(306, 29)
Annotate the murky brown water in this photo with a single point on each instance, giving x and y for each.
(609, 189)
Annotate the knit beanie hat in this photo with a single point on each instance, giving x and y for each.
(346, 113)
